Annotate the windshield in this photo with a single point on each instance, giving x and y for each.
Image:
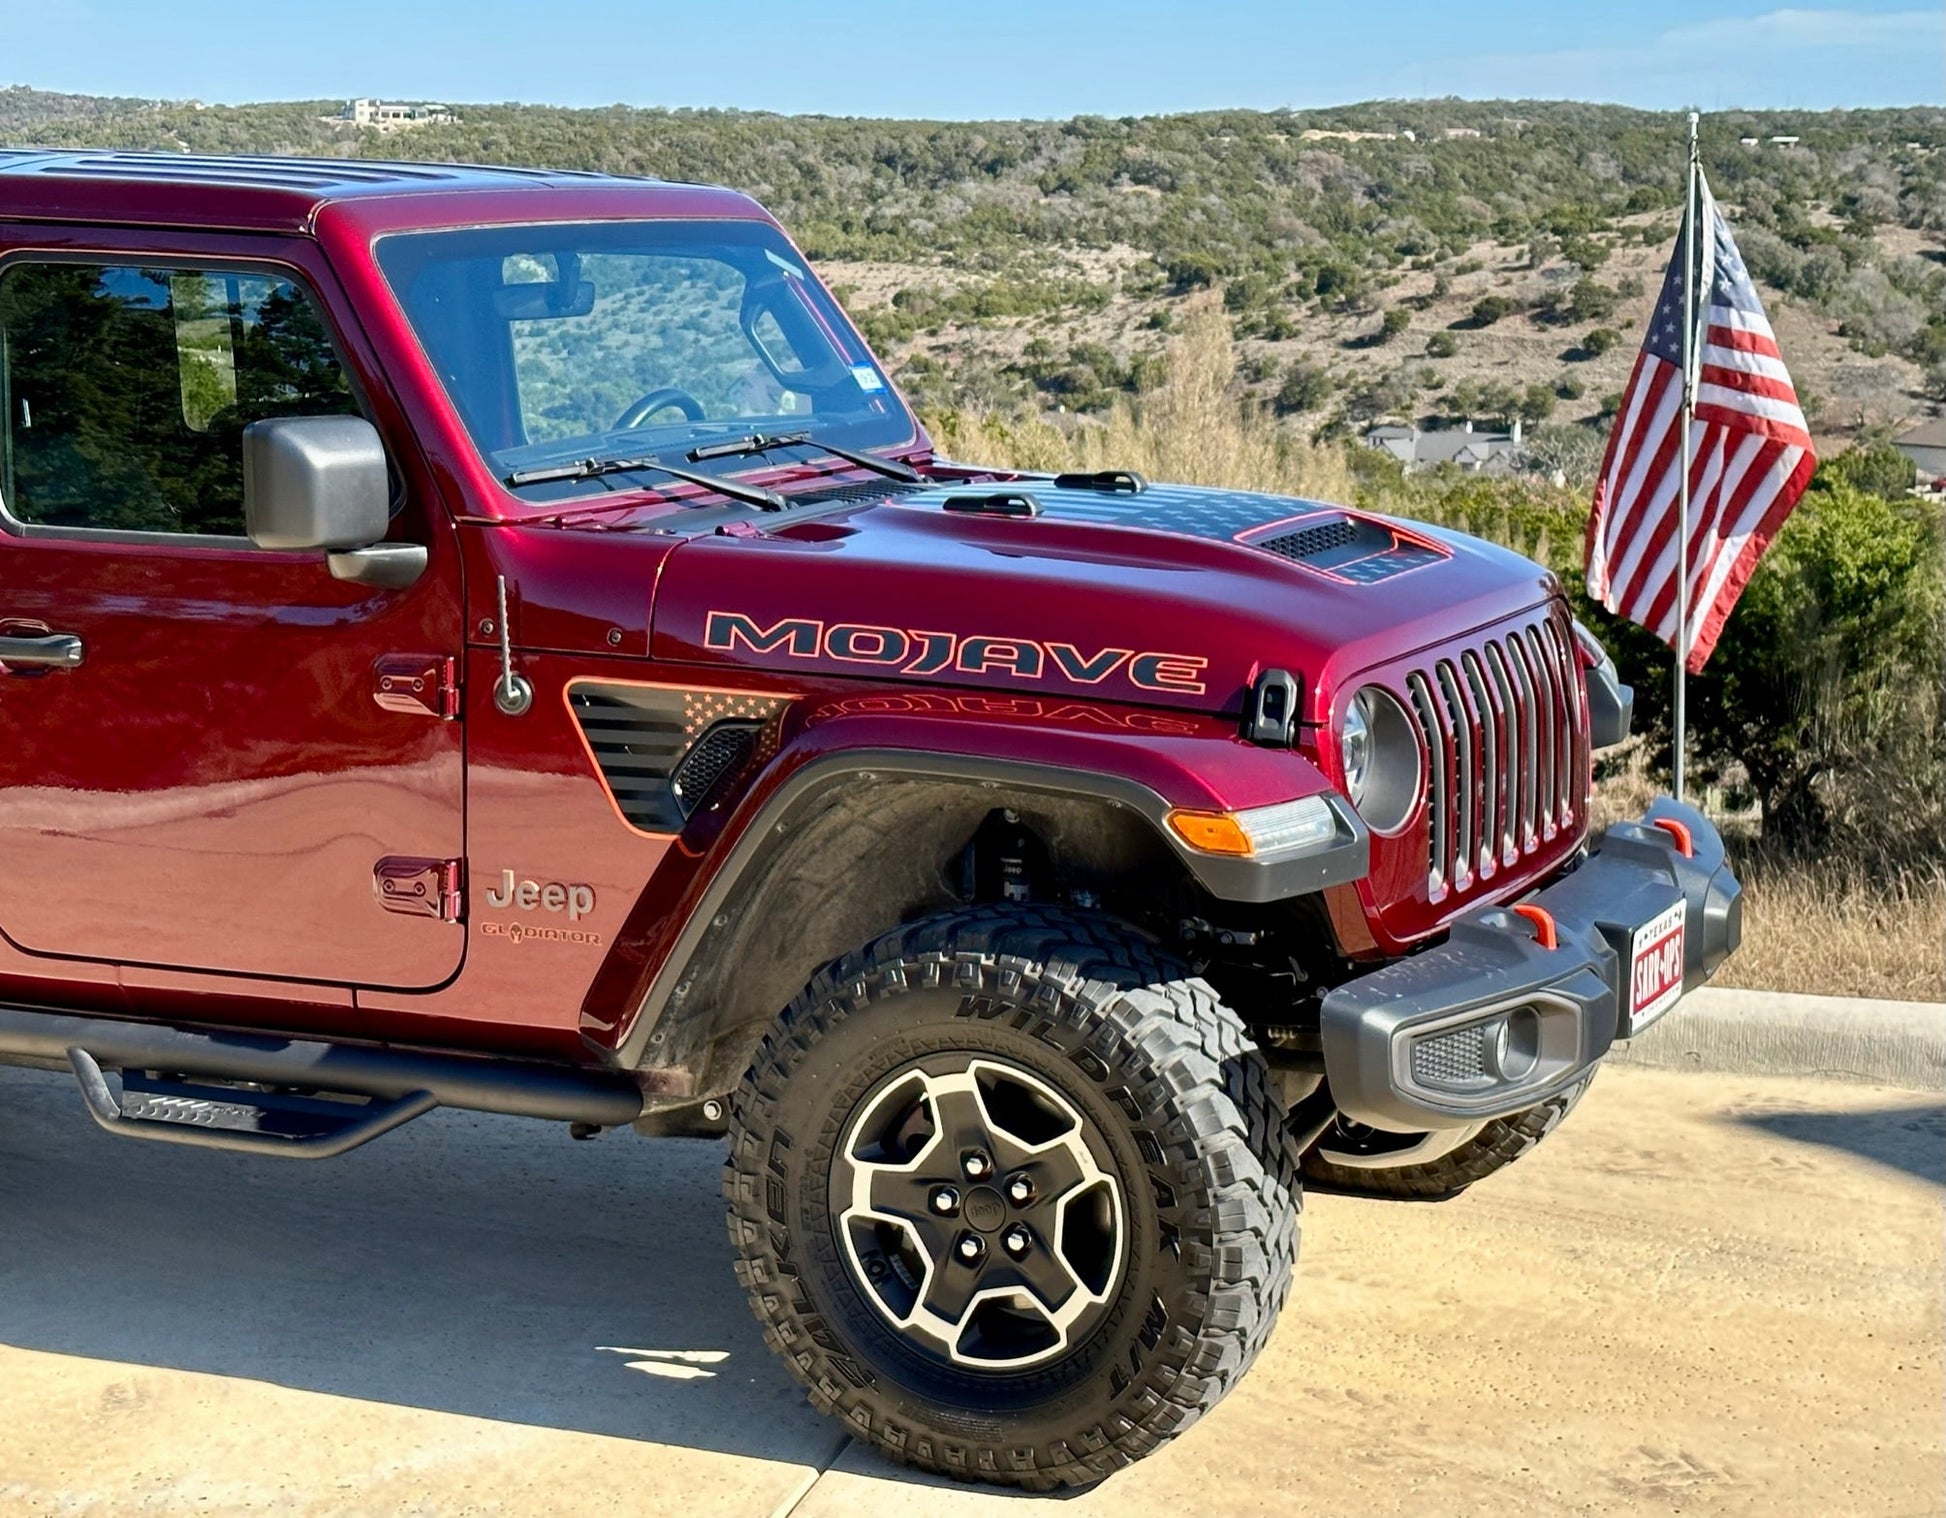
(634, 340)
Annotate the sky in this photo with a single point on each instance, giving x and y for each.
(984, 58)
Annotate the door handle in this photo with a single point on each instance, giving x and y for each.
(43, 651)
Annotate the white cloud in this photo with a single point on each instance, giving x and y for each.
(1808, 58)
(1796, 30)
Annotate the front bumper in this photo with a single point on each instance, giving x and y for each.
(1492, 1020)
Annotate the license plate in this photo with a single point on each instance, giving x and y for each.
(1655, 967)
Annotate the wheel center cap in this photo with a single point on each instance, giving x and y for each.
(984, 1209)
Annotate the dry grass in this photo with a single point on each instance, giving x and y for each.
(1826, 929)
(1831, 935)
(1189, 430)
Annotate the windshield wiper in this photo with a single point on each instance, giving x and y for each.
(594, 469)
(758, 442)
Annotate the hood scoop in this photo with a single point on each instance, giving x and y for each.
(1355, 550)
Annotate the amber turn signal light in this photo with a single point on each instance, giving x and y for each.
(1212, 832)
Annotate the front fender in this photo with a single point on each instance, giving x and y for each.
(1143, 763)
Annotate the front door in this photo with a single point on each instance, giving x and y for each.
(212, 757)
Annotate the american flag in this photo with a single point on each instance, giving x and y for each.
(1750, 453)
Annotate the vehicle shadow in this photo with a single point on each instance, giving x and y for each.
(476, 1265)
(1902, 1138)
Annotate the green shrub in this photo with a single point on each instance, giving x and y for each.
(1823, 695)
(1441, 345)
(1489, 309)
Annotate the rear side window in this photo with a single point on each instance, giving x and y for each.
(125, 390)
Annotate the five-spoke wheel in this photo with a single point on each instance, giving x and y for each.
(1011, 1194)
(974, 1213)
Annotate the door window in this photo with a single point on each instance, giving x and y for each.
(126, 389)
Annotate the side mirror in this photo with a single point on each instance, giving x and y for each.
(315, 482)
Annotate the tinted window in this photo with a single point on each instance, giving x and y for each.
(563, 341)
(126, 390)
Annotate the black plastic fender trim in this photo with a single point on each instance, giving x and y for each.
(1238, 879)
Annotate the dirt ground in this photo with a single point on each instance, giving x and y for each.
(1705, 1295)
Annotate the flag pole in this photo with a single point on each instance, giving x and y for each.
(1682, 483)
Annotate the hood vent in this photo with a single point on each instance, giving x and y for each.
(1353, 549)
(856, 490)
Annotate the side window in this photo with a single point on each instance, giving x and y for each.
(126, 390)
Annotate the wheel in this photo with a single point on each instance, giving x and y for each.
(1011, 1195)
(1360, 1161)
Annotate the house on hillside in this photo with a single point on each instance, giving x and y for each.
(1462, 447)
(392, 116)
(1925, 445)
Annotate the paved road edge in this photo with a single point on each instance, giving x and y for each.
(1885, 1043)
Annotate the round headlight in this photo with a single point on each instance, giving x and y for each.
(1355, 747)
(1380, 750)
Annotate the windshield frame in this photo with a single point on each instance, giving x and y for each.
(621, 490)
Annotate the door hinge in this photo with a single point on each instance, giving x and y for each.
(418, 887)
(425, 685)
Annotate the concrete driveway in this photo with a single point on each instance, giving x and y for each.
(1706, 1294)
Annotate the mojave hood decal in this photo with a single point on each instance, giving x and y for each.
(916, 651)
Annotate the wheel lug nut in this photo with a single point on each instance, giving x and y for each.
(1020, 1189)
(1016, 1240)
(945, 1201)
(976, 1164)
(970, 1249)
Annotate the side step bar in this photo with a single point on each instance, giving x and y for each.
(287, 1120)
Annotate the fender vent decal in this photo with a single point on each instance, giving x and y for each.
(661, 752)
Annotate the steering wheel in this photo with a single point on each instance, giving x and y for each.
(659, 400)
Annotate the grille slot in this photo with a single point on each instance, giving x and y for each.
(1501, 722)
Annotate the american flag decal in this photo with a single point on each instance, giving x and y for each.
(1750, 453)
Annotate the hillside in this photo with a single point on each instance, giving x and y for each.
(1393, 260)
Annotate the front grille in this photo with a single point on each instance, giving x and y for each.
(1506, 750)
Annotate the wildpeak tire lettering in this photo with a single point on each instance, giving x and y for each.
(915, 651)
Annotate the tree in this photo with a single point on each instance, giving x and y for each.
(1441, 345)
(1536, 403)
(1824, 687)
(1306, 387)
(1591, 300)
(1877, 468)
(1395, 321)
(1489, 309)
(1598, 340)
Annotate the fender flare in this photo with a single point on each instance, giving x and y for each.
(1228, 878)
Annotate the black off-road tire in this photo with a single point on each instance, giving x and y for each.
(1167, 1084)
(1494, 1147)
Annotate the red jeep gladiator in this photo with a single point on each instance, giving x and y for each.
(498, 640)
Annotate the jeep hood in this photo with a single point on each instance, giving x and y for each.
(1175, 595)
